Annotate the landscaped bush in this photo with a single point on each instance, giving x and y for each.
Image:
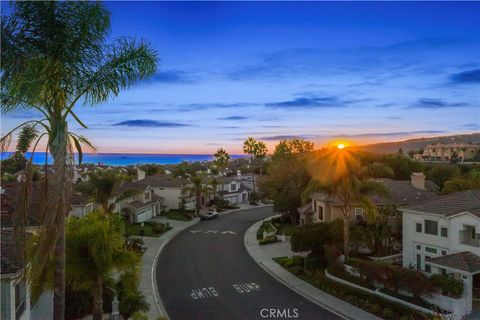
(450, 287)
(268, 240)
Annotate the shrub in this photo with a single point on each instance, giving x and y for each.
(313, 263)
(450, 287)
(158, 228)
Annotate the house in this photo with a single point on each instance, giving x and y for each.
(324, 207)
(445, 152)
(233, 190)
(15, 298)
(442, 235)
(172, 189)
(81, 205)
(136, 201)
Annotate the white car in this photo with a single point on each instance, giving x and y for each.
(209, 215)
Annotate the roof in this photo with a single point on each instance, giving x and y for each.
(138, 204)
(463, 261)
(241, 189)
(8, 202)
(8, 260)
(79, 199)
(401, 192)
(451, 204)
(306, 209)
(453, 145)
(160, 181)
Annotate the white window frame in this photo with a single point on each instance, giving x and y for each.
(356, 213)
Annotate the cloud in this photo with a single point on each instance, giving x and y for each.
(314, 102)
(469, 76)
(171, 76)
(473, 126)
(394, 118)
(234, 118)
(150, 124)
(285, 137)
(204, 106)
(430, 103)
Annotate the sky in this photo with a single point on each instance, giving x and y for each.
(362, 72)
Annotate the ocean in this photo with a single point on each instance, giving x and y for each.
(124, 159)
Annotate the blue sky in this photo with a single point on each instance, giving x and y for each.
(364, 72)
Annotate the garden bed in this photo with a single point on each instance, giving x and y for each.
(369, 302)
(151, 229)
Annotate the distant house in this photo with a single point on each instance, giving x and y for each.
(445, 152)
(324, 207)
(172, 189)
(233, 190)
(442, 235)
(15, 299)
(137, 202)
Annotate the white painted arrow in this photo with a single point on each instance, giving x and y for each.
(212, 231)
(195, 231)
(229, 232)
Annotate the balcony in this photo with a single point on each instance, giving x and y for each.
(467, 238)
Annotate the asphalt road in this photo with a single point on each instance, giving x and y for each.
(208, 276)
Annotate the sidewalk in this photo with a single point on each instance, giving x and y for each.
(148, 281)
(263, 255)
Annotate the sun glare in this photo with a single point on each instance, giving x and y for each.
(340, 146)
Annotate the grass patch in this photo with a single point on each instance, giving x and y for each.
(371, 303)
(151, 229)
(182, 215)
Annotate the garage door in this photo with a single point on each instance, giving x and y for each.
(144, 216)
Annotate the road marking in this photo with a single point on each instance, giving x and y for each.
(227, 232)
(249, 287)
(212, 231)
(195, 231)
(204, 293)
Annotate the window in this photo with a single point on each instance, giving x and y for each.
(431, 250)
(419, 261)
(320, 213)
(443, 272)
(418, 227)
(444, 232)
(358, 215)
(419, 247)
(233, 187)
(428, 268)
(444, 252)
(431, 227)
(20, 298)
(147, 195)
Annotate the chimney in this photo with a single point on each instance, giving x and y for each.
(418, 180)
(140, 174)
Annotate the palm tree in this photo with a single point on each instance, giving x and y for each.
(95, 250)
(198, 189)
(214, 185)
(101, 187)
(54, 57)
(338, 173)
(256, 150)
(221, 159)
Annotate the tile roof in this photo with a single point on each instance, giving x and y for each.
(160, 181)
(306, 209)
(451, 204)
(8, 263)
(401, 192)
(79, 199)
(138, 204)
(464, 261)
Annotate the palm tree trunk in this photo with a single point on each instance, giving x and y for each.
(253, 175)
(346, 233)
(97, 311)
(58, 199)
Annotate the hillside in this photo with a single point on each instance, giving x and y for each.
(415, 144)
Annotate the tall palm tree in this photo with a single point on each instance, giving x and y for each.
(198, 189)
(95, 250)
(54, 57)
(221, 159)
(214, 185)
(256, 150)
(338, 173)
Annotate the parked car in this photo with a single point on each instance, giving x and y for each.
(209, 215)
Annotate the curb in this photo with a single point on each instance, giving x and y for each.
(257, 254)
(158, 301)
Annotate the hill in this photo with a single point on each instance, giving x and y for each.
(419, 143)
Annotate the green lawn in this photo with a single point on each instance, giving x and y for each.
(286, 228)
(181, 215)
(151, 229)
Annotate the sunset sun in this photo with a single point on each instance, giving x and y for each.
(340, 146)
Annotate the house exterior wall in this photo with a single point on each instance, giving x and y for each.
(173, 196)
(81, 211)
(8, 310)
(330, 212)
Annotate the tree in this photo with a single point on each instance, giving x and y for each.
(314, 237)
(198, 189)
(461, 183)
(101, 186)
(213, 183)
(442, 172)
(257, 150)
(221, 159)
(18, 161)
(338, 174)
(54, 57)
(95, 250)
(379, 170)
(288, 176)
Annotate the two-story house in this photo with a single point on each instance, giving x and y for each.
(233, 190)
(324, 207)
(442, 235)
(445, 151)
(137, 202)
(81, 205)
